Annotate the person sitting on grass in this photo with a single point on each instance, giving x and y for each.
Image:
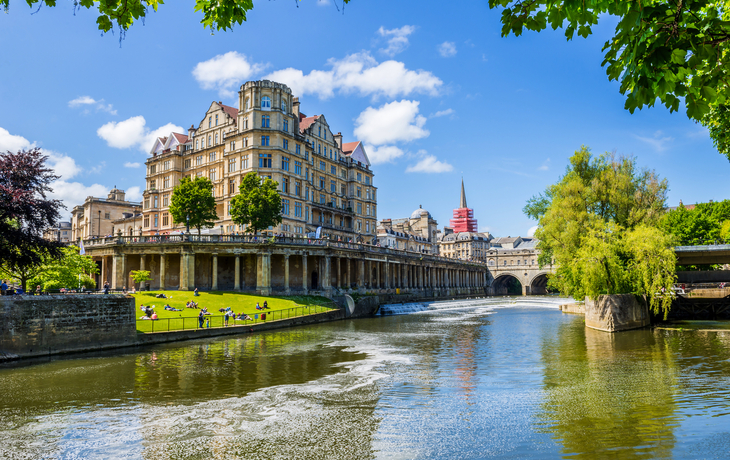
(161, 295)
(195, 293)
(266, 305)
(258, 307)
(169, 308)
(154, 316)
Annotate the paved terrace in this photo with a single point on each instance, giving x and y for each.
(281, 265)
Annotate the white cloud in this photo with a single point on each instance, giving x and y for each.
(397, 39)
(531, 231)
(442, 113)
(396, 121)
(133, 194)
(82, 101)
(383, 154)
(129, 164)
(545, 165)
(12, 143)
(64, 165)
(224, 72)
(133, 132)
(429, 164)
(447, 49)
(74, 193)
(657, 142)
(323, 2)
(359, 73)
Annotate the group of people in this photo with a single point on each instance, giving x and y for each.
(149, 312)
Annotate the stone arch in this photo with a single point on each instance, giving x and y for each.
(507, 284)
(538, 283)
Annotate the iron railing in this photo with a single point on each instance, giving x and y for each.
(218, 321)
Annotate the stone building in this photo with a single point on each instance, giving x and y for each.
(61, 232)
(95, 217)
(323, 182)
(416, 233)
(471, 246)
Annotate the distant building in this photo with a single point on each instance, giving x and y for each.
(463, 220)
(416, 233)
(61, 232)
(472, 246)
(95, 217)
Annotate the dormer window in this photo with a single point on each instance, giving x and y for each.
(266, 103)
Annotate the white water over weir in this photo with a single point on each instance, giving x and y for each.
(487, 304)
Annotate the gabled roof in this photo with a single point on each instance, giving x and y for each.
(230, 111)
(306, 122)
(355, 151)
(159, 145)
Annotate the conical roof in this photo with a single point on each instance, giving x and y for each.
(462, 202)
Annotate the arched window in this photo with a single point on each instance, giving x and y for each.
(197, 144)
(266, 102)
(210, 121)
(283, 106)
(491, 263)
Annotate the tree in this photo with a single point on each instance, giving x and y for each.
(666, 50)
(71, 270)
(258, 203)
(140, 276)
(26, 211)
(217, 15)
(701, 225)
(598, 224)
(192, 203)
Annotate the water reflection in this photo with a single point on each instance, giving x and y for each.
(495, 378)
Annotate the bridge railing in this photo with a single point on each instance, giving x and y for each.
(257, 240)
(703, 247)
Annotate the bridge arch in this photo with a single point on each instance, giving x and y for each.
(538, 283)
(507, 284)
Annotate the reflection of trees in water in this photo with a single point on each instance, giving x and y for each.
(610, 394)
(234, 367)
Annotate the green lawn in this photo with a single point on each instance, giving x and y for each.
(279, 308)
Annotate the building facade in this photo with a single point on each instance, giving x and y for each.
(323, 182)
(60, 233)
(416, 233)
(94, 218)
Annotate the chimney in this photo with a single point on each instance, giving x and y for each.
(338, 140)
(295, 107)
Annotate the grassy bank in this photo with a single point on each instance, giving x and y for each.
(279, 308)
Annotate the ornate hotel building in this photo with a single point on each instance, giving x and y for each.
(323, 182)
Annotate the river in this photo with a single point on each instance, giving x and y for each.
(491, 378)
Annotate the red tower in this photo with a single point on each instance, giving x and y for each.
(463, 220)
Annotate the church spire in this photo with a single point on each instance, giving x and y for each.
(462, 202)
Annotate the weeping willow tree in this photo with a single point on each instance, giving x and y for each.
(599, 225)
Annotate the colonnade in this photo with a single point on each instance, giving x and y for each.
(294, 271)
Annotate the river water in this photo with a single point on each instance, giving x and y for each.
(494, 378)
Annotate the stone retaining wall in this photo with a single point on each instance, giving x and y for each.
(616, 312)
(46, 325)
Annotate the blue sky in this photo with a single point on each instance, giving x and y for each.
(434, 92)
